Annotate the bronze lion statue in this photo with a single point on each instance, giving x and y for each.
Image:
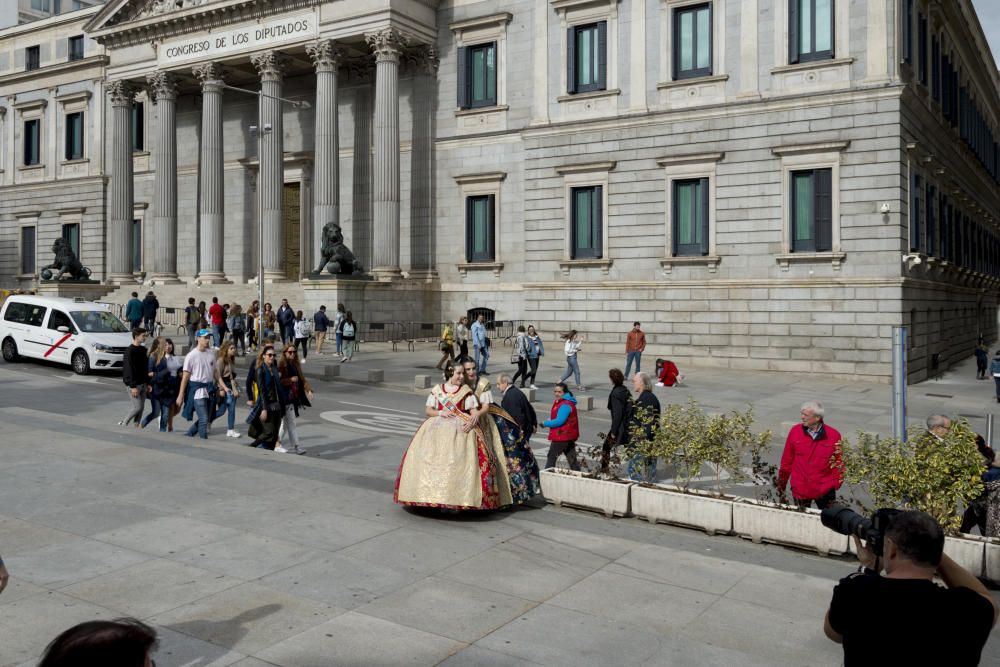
(335, 257)
(66, 263)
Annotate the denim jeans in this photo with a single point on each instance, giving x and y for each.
(192, 331)
(159, 409)
(641, 468)
(230, 409)
(216, 335)
(340, 342)
(629, 356)
(200, 424)
(482, 356)
(572, 368)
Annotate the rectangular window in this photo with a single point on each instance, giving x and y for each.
(812, 210)
(810, 30)
(907, 26)
(76, 47)
(915, 213)
(31, 58)
(40, 5)
(586, 221)
(586, 57)
(137, 245)
(480, 212)
(935, 68)
(71, 232)
(931, 206)
(27, 250)
(32, 147)
(477, 76)
(690, 217)
(693, 41)
(922, 48)
(74, 136)
(138, 128)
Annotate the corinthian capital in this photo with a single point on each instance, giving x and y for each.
(207, 72)
(270, 64)
(387, 44)
(325, 54)
(121, 92)
(162, 86)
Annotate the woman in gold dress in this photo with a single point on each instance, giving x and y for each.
(450, 463)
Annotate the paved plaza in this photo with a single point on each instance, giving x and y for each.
(245, 557)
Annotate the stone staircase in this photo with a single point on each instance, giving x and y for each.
(176, 296)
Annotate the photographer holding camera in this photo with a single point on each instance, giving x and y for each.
(903, 617)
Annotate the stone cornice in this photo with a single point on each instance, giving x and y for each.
(804, 149)
(52, 70)
(156, 28)
(482, 22)
(581, 168)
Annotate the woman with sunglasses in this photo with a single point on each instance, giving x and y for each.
(298, 394)
(270, 403)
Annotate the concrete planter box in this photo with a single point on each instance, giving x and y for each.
(572, 488)
(669, 504)
(968, 552)
(767, 522)
(991, 559)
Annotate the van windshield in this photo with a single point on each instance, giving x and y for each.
(98, 321)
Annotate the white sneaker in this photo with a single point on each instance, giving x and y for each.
(232, 434)
(280, 450)
(534, 387)
(659, 384)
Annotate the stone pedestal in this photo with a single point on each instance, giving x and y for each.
(90, 290)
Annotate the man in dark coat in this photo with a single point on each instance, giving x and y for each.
(149, 307)
(644, 420)
(516, 404)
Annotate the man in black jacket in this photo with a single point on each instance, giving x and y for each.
(149, 307)
(644, 419)
(135, 375)
(517, 406)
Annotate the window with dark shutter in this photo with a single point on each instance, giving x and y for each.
(930, 205)
(811, 209)
(906, 21)
(690, 217)
(922, 48)
(76, 47)
(480, 228)
(32, 148)
(915, 213)
(586, 57)
(692, 38)
(27, 250)
(137, 245)
(31, 58)
(477, 76)
(74, 136)
(935, 68)
(586, 222)
(810, 30)
(71, 232)
(138, 128)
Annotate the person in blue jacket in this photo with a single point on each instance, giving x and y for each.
(480, 344)
(564, 428)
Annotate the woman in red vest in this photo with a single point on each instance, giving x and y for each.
(564, 428)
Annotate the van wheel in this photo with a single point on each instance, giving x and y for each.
(81, 362)
(10, 354)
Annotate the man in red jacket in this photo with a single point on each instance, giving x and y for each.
(809, 449)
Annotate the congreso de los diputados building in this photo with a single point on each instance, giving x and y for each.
(764, 184)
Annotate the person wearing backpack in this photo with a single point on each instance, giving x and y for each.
(192, 318)
(349, 329)
(237, 324)
(302, 329)
(338, 328)
(519, 356)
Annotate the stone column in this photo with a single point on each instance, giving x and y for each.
(271, 66)
(211, 237)
(422, 166)
(387, 45)
(163, 90)
(326, 203)
(122, 199)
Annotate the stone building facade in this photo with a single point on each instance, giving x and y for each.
(764, 184)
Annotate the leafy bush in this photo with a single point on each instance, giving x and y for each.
(689, 439)
(939, 477)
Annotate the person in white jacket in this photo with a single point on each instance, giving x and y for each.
(302, 330)
(573, 344)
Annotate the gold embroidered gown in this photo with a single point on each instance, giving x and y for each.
(447, 468)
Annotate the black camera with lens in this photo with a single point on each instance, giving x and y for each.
(846, 521)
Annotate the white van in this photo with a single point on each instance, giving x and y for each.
(80, 333)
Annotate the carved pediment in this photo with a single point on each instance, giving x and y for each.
(125, 22)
